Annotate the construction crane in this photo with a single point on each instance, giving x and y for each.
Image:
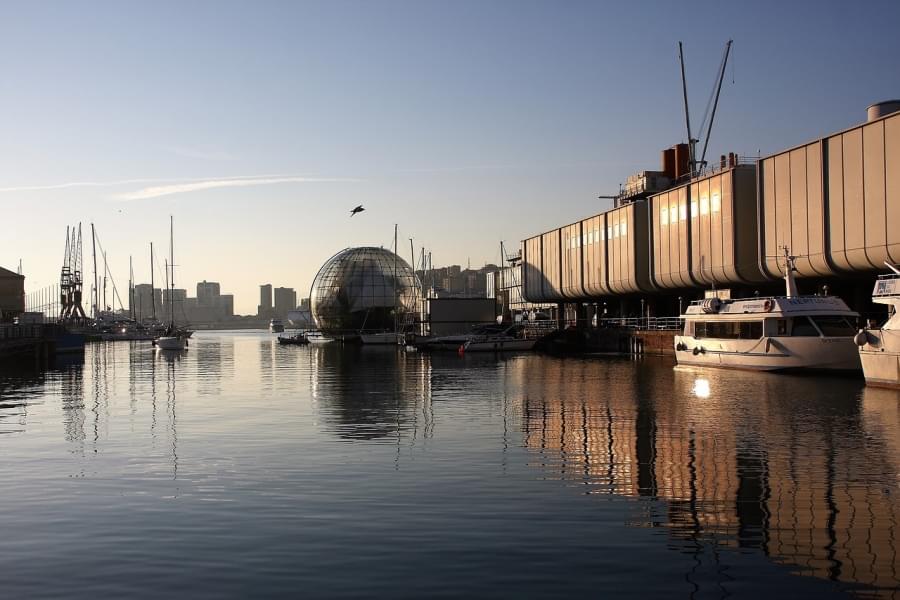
(699, 165)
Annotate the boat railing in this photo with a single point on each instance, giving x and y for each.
(645, 323)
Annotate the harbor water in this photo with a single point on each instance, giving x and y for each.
(244, 468)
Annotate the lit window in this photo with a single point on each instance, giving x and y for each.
(590, 237)
(664, 216)
(584, 238)
(683, 212)
(609, 230)
(616, 230)
(673, 214)
(623, 228)
(596, 235)
(716, 202)
(704, 205)
(694, 209)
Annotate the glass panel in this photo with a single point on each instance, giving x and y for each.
(803, 327)
(834, 325)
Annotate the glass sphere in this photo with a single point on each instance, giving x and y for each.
(364, 289)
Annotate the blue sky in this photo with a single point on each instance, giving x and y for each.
(464, 122)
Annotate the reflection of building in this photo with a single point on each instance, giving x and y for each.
(285, 300)
(816, 493)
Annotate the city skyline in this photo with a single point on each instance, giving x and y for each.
(465, 124)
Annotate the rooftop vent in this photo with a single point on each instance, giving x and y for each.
(882, 109)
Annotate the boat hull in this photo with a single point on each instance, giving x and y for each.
(880, 358)
(511, 345)
(380, 339)
(770, 354)
(171, 343)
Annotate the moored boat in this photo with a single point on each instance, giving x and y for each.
(293, 340)
(276, 326)
(512, 339)
(770, 334)
(879, 349)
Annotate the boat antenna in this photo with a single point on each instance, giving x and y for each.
(716, 102)
(789, 268)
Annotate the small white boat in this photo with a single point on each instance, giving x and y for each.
(879, 349)
(385, 338)
(512, 339)
(317, 337)
(276, 326)
(175, 342)
(770, 334)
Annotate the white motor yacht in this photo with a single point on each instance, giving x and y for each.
(770, 334)
(879, 349)
(276, 326)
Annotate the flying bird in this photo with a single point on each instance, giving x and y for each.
(358, 209)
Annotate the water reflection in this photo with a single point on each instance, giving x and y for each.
(367, 393)
(805, 471)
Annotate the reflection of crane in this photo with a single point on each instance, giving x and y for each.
(70, 278)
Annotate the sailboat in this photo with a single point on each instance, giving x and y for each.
(172, 338)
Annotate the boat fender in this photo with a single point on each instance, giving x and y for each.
(861, 338)
(696, 351)
(768, 305)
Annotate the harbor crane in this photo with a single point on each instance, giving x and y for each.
(70, 280)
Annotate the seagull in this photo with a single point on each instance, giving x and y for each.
(358, 209)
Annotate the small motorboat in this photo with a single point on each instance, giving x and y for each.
(293, 340)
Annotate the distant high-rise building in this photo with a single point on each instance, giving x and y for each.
(285, 300)
(145, 299)
(207, 293)
(265, 301)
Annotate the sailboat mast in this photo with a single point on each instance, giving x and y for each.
(152, 285)
(172, 264)
(395, 279)
(96, 297)
(130, 287)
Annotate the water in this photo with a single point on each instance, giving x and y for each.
(242, 468)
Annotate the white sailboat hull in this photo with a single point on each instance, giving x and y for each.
(171, 343)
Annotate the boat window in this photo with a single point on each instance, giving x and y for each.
(803, 327)
(835, 325)
(728, 330)
(781, 327)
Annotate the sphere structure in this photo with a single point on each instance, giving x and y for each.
(364, 289)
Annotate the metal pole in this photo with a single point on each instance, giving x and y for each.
(94, 298)
(716, 103)
(687, 114)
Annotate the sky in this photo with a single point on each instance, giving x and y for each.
(259, 125)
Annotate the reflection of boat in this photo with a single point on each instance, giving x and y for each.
(879, 349)
(317, 337)
(513, 339)
(768, 334)
(276, 326)
(453, 342)
(293, 340)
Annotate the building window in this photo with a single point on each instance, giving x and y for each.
(673, 214)
(694, 209)
(624, 228)
(664, 216)
(704, 205)
(683, 210)
(716, 202)
(609, 232)
(615, 230)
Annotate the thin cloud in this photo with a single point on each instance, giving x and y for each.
(212, 154)
(173, 185)
(197, 186)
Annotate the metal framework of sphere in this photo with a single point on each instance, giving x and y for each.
(358, 289)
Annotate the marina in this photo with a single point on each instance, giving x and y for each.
(709, 481)
(473, 300)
